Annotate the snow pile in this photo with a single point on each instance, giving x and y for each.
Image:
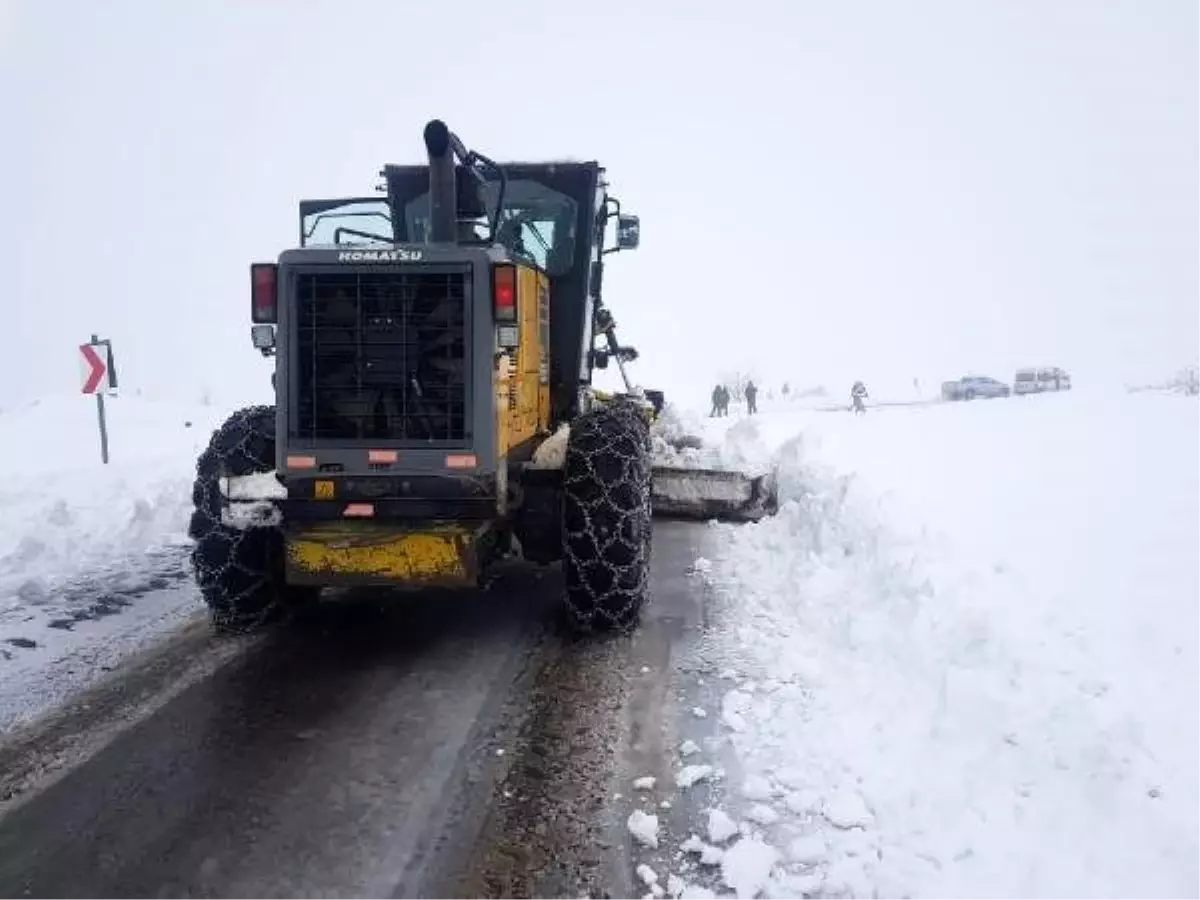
(67, 513)
(677, 438)
(974, 660)
(93, 558)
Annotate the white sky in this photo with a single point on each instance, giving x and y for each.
(827, 190)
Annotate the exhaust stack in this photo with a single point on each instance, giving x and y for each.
(443, 187)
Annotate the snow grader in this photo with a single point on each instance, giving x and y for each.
(434, 349)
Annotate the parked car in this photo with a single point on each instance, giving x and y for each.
(1036, 381)
(972, 386)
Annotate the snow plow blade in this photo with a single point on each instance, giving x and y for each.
(703, 494)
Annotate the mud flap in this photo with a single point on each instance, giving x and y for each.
(701, 494)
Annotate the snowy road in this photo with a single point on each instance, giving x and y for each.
(448, 745)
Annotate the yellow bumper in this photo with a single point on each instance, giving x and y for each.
(367, 553)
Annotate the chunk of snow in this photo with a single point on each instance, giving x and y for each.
(645, 783)
(699, 712)
(807, 850)
(733, 720)
(696, 892)
(552, 452)
(702, 566)
(761, 814)
(688, 747)
(804, 801)
(647, 875)
(847, 809)
(675, 885)
(720, 826)
(690, 775)
(644, 828)
(757, 787)
(806, 885)
(709, 855)
(664, 804)
(747, 866)
(259, 486)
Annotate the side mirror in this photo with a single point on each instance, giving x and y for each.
(628, 232)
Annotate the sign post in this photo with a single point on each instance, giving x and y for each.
(99, 375)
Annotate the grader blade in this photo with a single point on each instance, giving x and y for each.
(702, 494)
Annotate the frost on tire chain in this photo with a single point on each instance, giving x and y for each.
(238, 555)
(607, 517)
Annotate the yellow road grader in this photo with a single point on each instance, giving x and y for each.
(434, 350)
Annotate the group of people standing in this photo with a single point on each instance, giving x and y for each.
(721, 396)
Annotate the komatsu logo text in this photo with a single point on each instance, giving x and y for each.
(379, 256)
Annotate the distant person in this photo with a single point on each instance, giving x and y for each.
(716, 402)
(751, 398)
(858, 394)
(724, 400)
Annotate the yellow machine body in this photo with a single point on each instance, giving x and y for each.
(523, 372)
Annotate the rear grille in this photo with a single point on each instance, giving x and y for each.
(381, 356)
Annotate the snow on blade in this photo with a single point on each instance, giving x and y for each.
(974, 633)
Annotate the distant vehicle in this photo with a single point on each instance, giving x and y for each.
(1036, 381)
(973, 386)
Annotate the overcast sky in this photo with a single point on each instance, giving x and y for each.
(828, 190)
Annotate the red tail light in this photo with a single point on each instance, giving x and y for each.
(263, 293)
(504, 293)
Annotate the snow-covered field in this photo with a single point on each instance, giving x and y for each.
(92, 557)
(962, 660)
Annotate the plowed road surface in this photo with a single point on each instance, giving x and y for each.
(447, 745)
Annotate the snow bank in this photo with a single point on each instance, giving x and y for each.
(66, 513)
(92, 558)
(972, 631)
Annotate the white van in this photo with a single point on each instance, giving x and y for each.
(1035, 381)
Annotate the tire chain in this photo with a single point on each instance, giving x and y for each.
(236, 568)
(607, 518)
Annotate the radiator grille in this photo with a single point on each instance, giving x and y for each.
(382, 356)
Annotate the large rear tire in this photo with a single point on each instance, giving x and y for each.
(606, 519)
(239, 569)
